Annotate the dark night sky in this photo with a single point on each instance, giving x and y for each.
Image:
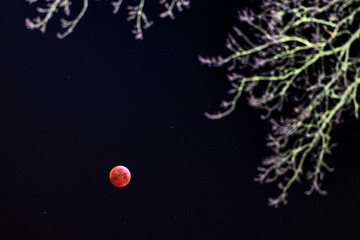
(72, 109)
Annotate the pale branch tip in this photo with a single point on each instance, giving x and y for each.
(47, 9)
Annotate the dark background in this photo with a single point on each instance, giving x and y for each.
(72, 109)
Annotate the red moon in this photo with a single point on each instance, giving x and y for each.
(120, 176)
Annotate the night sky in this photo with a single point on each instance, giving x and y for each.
(72, 109)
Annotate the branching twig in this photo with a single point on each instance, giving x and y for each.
(135, 12)
(299, 56)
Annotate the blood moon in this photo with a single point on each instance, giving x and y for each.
(120, 176)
